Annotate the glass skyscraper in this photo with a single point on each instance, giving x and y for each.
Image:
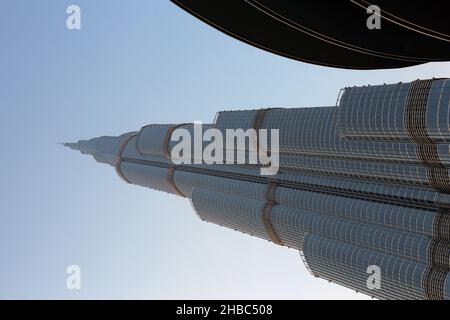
(363, 183)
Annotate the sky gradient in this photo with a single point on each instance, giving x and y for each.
(133, 63)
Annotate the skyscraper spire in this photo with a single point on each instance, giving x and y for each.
(361, 186)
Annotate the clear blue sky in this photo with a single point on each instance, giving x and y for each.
(133, 63)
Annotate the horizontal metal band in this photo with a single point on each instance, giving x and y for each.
(438, 179)
(266, 213)
(439, 253)
(415, 111)
(428, 155)
(119, 157)
(258, 121)
(441, 224)
(166, 141)
(270, 192)
(259, 118)
(171, 182)
(433, 283)
(267, 209)
(416, 127)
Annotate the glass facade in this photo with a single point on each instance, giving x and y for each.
(365, 183)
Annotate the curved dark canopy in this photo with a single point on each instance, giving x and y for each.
(333, 33)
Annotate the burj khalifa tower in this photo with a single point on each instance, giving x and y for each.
(361, 184)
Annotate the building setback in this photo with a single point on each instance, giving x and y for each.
(364, 183)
